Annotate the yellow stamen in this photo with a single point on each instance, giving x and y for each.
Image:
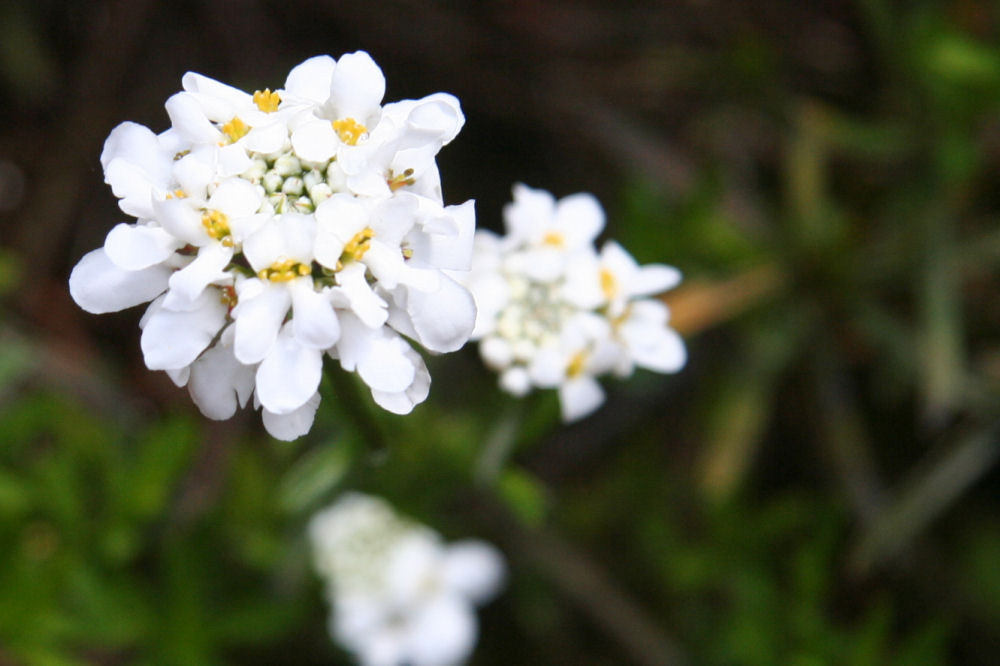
(235, 129)
(402, 180)
(177, 194)
(217, 225)
(554, 238)
(575, 366)
(266, 100)
(284, 271)
(349, 130)
(609, 284)
(356, 247)
(407, 252)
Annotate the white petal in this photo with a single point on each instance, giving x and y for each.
(138, 146)
(181, 221)
(439, 114)
(194, 82)
(289, 375)
(174, 339)
(98, 285)
(386, 367)
(454, 251)
(491, 293)
(219, 383)
(136, 246)
(653, 279)
(187, 284)
(216, 109)
(189, 120)
(365, 303)
(542, 264)
(443, 319)
(194, 175)
(338, 219)
(582, 284)
(241, 228)
(515, 381)
(579, 396)
(530, 211)
(368, 182)
(314, 321)
(496, 352)
(548, 367)
(386, 264)
(265, 246)
(473, 568)
(236, 198)
(232, 160)
(315, 141)
(258, 319)
(404, 402)
(292, 236)
(179, 376)
(132, 186)
(266, 139)
(357, 87)
(654, 347)
(383, 647)
(294, 424)
(579, 217)
(311, 79)
(442, 632)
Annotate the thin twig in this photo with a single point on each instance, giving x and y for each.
(936, 485)
(585, 583)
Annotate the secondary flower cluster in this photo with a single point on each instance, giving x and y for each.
(275, 227)
(555, 312)
(399, 595)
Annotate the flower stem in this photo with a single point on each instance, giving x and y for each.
(499, 444)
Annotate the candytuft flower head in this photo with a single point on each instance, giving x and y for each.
(399, 594)
(277, 226)
(555, 313)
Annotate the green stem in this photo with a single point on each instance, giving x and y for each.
(499, 443)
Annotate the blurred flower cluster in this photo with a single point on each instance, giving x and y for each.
(553, 312)
(399, 595)
(275, 227)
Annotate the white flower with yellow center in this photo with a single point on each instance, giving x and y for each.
(399, 594)
(553, 313)
(279, 227)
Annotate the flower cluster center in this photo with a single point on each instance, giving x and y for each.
(535, 312)
(291, 184)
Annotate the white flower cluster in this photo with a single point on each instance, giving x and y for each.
(275, 227)
(554, 312)
(399, 595)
